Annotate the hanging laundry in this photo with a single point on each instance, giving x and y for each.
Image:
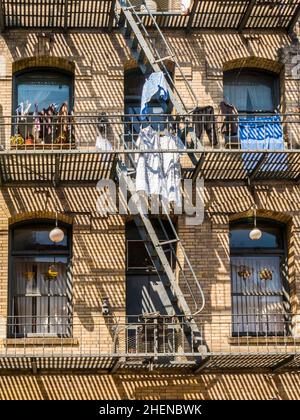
(37, 125)
(103, 143)
(185, 6)
(230, 125)
(159, 173)
(204, 120)
(155, 84)
(263, 133)
(171, 169)
(149, 165)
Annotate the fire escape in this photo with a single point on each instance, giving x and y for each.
(59, 167)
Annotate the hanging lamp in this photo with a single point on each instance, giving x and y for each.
(255, 234)
(56, 235)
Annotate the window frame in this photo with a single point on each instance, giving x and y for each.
(67, 254)
(39, 70)
(247, 71)
(259, 252)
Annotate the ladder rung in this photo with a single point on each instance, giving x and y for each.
(162, 59)
(172, 241)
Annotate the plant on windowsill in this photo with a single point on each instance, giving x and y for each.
(244, 272)
(265, 274)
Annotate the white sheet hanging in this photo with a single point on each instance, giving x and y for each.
(185, 5)
(171, 168)
(103, 143)
(148, 170)
(159, 173)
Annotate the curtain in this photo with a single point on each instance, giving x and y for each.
(40, 303)
(257, 294)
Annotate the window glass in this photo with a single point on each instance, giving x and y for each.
(239, 238)
(42, 89)
(40, 281)
(251, 91)
(36, 238)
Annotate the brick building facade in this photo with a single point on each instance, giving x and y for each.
(99, 62)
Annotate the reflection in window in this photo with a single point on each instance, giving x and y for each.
(259, 281)
(252, 90)
(40, 283)
(42, 104)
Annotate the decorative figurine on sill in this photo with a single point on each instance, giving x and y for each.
(62, 124)
(265, 274)
(244, 272)
(29, 140)
(17, 140)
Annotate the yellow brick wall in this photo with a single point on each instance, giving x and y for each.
(150, 386)
(99, 244)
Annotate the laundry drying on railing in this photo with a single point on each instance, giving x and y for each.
(154, 85)
(263, 133)
(205, 121)
(159, 173)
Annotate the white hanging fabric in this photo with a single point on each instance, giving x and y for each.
(159, 173)
(185, 5)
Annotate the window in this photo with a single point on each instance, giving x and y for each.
(251, 90)
(39, 95)
(40, 281)
(133, 87)
(259, 279)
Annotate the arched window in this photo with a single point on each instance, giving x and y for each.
(38, 95)
(252, 90)
(40, 281)
(259, 279)
(44, 86)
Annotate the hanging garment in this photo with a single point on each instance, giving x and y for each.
(159, 173)
(185, 6)
(37, 125)
(103, 144)
(155, 84)
(204, 120)
(262, 133)
(171, 169)
(148, 169)
(230, 126)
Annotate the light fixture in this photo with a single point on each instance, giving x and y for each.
(255, 234)
(56, 235)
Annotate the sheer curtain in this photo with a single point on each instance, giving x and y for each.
(40, 304)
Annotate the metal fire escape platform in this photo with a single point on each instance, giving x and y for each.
(61, 167)
(55, 167)
(268, 363)
(208, 15)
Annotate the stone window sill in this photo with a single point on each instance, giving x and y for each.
(41, 341)
(260, 341)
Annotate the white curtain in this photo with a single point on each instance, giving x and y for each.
(40, 304)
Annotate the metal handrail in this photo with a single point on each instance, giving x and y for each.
(198, 308)
(157, 54)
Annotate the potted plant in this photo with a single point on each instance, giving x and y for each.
(52, 273)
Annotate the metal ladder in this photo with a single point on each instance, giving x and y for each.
(143, 49)
(149, 59)
(166, 273)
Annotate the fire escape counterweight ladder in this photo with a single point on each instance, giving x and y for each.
(149, 59)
